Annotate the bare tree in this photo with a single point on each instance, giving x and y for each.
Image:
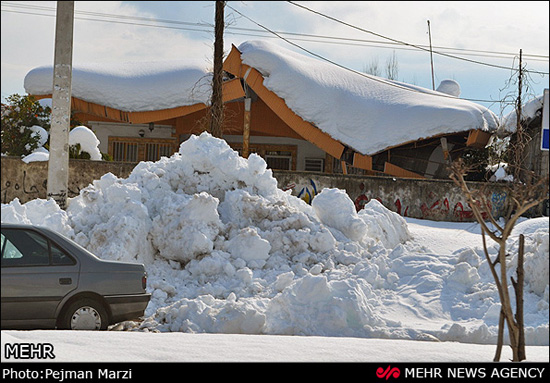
(392, 69)
(521, 197)
(373, 68)
(526, 191)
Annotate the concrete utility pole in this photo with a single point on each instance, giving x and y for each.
(58, 164)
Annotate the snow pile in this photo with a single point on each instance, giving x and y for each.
(227, 251)
(362, 111)
(78, 135)
(130, 86)
(81, 135)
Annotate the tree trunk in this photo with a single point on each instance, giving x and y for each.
(500, 338)
(216, 108)
(518, 288)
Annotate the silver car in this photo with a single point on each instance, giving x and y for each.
(49, 281)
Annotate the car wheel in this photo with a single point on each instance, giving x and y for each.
(85, 314)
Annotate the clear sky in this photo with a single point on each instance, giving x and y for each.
(483, 37)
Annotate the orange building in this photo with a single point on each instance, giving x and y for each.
(257, 120)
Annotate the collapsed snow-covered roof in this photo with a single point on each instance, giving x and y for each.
(130, 86)
(364, 112)
(529, 111)
(134, 92)
(339, 110)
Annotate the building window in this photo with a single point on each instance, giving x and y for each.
(130, 149)
(279, 157)
(314, 165)
(124, 151)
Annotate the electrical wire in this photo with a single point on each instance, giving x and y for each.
(409, 44)
(298, 36)
(277, 34)
(373, 78)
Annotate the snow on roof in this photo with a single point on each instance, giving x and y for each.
(130, 86)
(362, 111)
(367, 113)
(529, 111)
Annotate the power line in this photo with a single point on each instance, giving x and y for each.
(298, 36)
(116, 22)
(408, 44)
(373, 78)
(274, 33)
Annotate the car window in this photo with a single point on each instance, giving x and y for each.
(29, 248)
(9, 251)
(59, 257)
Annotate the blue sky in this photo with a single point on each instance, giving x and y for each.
(491, 33)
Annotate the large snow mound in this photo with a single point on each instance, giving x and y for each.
(365, 112)
(227, 251)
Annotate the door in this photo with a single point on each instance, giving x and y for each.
(36, 275)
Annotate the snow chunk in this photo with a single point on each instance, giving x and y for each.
(248, 245)
(384, 225)
(335, 209)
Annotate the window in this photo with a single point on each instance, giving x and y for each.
(29, 248)
(136, 149)
(153, 151)
(314, 165)
(278, 159)
(281, 157)
(125, 151)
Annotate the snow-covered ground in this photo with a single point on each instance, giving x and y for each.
(236, 265)
(128, 347)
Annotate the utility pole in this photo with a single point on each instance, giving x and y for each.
(216, 107)
(431, 55)
(58, 164)
(520, 142)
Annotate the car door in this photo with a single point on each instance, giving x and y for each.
(36, 275)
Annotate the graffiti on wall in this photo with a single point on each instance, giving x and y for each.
(26, 190)
(435, 207)
(16, 188)
(498, 202)
(307, 193)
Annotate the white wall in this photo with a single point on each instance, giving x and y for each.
(103, 130)
(305, 148)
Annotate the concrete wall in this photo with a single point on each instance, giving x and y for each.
(438, 200)
(29, 181)
(429, 199)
